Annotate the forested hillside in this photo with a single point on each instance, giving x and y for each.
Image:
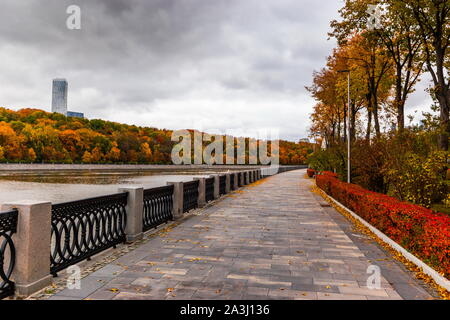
(31, 135)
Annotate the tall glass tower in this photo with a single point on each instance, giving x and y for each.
(59, 96)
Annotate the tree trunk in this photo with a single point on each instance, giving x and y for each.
(345, 123)
(401, 115)
(339, 130)
(443, 96)
(353, 124)
(376, 120)
(369, 124)
(399, 103)
(444, 104)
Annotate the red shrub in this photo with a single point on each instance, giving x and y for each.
(419, 230)
(311, 173)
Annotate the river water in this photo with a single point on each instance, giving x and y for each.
(65, 186)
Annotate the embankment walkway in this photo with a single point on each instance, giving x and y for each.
(274, 239)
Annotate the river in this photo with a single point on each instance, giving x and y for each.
(62, 186)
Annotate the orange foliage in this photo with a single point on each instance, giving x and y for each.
(37, 136)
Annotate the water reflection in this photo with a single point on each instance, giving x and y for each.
(64, 186)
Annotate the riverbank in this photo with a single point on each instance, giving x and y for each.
(121, 167)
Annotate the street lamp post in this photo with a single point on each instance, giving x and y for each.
(349, 140)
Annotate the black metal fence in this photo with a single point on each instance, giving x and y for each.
(222, 185)
(209, 189)
(190, 196)
(158, 205)
(8, 226)
(81, 229)
(268, 171)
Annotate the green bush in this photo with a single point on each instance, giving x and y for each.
(332, 159)
(419, 179)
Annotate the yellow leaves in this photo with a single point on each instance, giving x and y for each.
(114, 290)
(170, 290)
(195, 259)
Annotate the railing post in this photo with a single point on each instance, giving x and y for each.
(178, 188)
(235, 185)
(227, 183)
(32, 243)
(201, 192)
(216, 186)
(135, 213)
(252, 176)
(242, 180)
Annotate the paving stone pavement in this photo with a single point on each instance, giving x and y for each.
(274, 239)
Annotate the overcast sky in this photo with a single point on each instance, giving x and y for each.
(213, 65)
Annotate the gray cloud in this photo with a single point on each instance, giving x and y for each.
(218, 64)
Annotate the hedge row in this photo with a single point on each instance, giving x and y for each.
(419, 230)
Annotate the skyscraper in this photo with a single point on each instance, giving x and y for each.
(59, 96)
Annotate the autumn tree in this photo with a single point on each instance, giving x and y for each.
(432, 20)
(87, 157)
(397, 35)
(145, 155)
(367, 55)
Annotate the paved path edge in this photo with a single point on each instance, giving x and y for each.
(438, 279)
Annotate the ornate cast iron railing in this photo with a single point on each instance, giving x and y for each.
(190, 196)
(232, 181)
(222, 185)
(8, 226)
(240, 179)
(209, 189)
(265, 172)
(158, 205)
(81, 229)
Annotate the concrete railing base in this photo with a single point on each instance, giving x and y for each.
(30, 288)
